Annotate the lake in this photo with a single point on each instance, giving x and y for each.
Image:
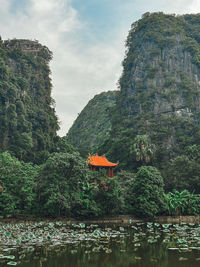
(55, 244)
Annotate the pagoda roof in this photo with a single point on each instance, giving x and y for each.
(100, 161)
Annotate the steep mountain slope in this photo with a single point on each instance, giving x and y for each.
(27, 116)
(93, 123)
(159, 88)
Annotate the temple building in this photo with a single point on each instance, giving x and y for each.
(96, 162)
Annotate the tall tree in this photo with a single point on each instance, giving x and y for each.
(142, 149)
(148, 193)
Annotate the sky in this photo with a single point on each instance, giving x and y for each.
(87, 38)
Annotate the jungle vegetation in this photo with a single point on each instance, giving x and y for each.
(155, 121)
(92, 125)
(152, 128)
(63, 186)
(27, 111)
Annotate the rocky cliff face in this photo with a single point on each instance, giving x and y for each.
(160, 86)
(27, 46)
(27, 116)
(160, 77)
(92, 126)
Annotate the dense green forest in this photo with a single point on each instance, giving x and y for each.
(64, 186)
(151, 125)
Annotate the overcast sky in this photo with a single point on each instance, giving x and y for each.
(87, 40)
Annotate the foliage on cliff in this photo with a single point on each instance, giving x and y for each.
(92, 126)
(159, 92)
(27, 115)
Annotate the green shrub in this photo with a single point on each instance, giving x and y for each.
(148, 193)
(19, 182)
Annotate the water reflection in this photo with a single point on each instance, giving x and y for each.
(139, 245)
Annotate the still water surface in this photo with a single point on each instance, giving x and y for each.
(58, 245)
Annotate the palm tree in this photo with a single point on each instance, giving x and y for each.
(142, 149)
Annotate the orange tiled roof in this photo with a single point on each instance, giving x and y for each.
(100, 161)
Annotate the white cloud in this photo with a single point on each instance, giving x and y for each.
(82, 65)
(79, 70)
(194, 6)
(89, 71)
(181, 6)
(50, 22)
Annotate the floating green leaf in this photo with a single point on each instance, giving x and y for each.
(8, 234)
(12, 263)
(51, 224)
(181, 241)
(10, 257)
(59, 223)
(166, 225)
(149, 225)
(82, 225)
(23, 238)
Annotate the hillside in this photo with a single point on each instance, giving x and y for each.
(27, 115)
(92, 126)
(159, 89)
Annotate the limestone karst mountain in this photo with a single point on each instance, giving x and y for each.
(27, 115)
(159, 88)
(92, 126)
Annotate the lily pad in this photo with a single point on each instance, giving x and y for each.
(166, 225)
(12, 263)
(82, 225)
(10, 257)
(8, 234)
(181, 241)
